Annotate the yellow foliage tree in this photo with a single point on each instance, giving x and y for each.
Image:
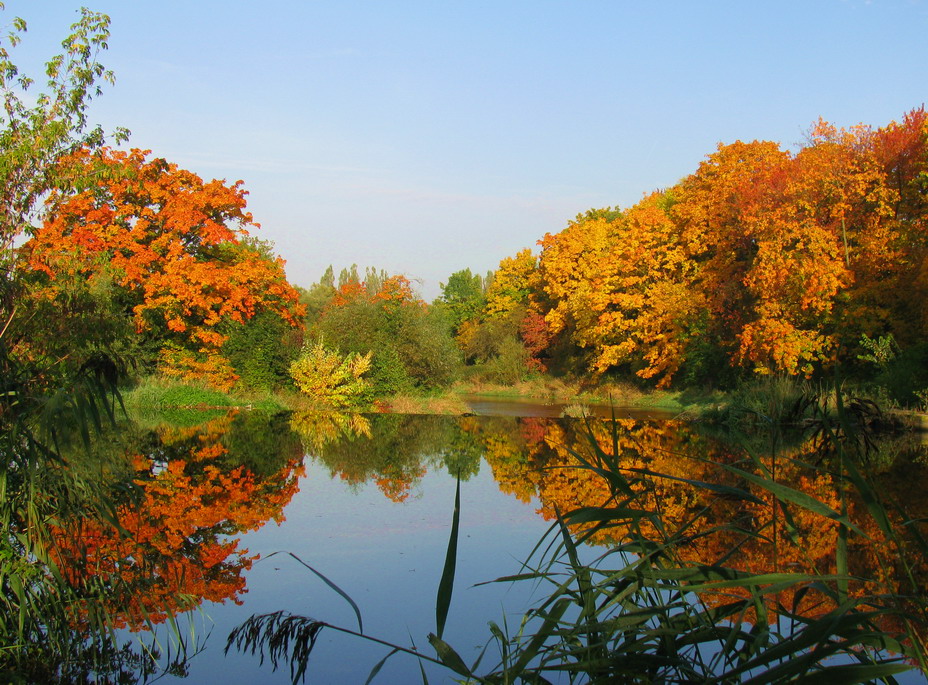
(512, 282)
(331, 378)
(621, 286)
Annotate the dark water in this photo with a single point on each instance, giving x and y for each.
(367, 501)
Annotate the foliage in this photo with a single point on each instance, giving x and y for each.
(511, 284)
(905, 375)
(410, 342)
(762, 261)
(623, 289)
(260, 351)
(62, 351)
(318, 296)
(39, 129)
(463, 296)
(880, 351)
(176, 246)
(331, 378)
(495, 348)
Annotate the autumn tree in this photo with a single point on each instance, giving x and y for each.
(892, 263)
(512, 283)
(622, 288)
(410, 341)
(508, 337)
(176, 245)
(779, 237)
(40, 126)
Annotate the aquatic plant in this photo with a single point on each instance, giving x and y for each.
(645, 610)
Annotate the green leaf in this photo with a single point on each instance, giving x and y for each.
(448, 656)
(342, 593)
(446, 585)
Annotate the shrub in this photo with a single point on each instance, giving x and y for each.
(331, 378)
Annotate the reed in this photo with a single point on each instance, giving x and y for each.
(643, 611)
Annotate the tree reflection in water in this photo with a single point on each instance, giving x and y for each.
(791, 534)
(179, 497)
(163, 540)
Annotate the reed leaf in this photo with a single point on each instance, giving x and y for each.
(341, 593)
(446, 584)
(448, 656)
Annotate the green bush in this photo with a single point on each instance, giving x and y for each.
(261, 351)
(905, 375)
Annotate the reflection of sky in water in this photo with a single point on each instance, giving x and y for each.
(388, 557)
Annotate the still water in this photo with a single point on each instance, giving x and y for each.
(234, 507)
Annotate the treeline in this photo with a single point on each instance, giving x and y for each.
(763, 261)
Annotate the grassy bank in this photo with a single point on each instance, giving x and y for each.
(153, 393)
(160, 394)
(561, 391)
(768, 397)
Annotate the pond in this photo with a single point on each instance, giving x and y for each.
(228, 513)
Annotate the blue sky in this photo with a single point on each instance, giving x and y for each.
(428, 137)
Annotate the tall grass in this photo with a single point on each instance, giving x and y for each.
(155, 394)
(644, 611)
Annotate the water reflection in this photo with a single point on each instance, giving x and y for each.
(392, 450)
(795, 529)
(181, 497)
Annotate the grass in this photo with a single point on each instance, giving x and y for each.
(153, 393)
(157, 394)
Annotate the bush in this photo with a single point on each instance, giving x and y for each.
(905, 375)
(331, 378)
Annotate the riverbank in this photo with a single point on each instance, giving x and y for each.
(544, 395)
(774, 398)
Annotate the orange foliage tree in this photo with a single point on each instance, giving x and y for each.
(177, 245)
(623, 288)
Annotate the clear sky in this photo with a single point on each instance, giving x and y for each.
(424, 137)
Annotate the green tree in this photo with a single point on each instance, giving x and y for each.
(411, 342)
(318, 296)
(261, 350)
(463, 296)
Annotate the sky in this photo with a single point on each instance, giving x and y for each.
(426, 137)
